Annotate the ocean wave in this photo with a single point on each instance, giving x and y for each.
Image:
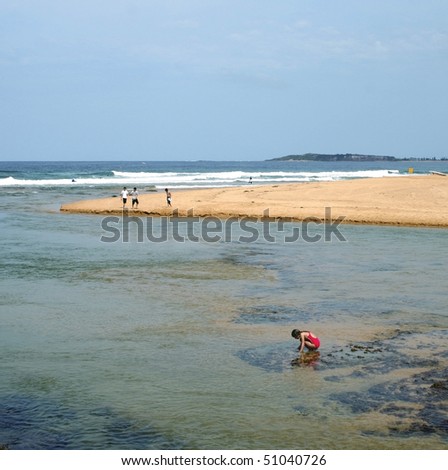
(198, 179)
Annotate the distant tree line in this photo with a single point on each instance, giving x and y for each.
(349, 157)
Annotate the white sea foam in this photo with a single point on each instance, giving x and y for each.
(198, 179)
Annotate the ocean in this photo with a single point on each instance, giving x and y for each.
(187, 345)
(196, 174)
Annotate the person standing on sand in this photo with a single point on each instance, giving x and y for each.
(306, 338)
(134, 195)
(124, 196)
(168, 197)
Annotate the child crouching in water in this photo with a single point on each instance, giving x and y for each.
(306, 338)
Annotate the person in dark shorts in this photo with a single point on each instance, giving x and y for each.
(124, 196)
(168, 197)
(134, 195)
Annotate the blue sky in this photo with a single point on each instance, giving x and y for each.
(222, 79)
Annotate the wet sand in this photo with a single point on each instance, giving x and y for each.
(405, 200)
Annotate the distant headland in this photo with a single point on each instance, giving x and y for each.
(343, 157)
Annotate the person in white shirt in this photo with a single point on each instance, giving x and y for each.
(134, 195)
(124, 196)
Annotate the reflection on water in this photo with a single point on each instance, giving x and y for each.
(307, 359)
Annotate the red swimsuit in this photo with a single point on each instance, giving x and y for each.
(314, 339)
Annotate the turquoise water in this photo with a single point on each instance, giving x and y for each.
(187, 345)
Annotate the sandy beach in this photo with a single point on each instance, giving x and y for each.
(405, 200)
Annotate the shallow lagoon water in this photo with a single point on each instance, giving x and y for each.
(187, 345)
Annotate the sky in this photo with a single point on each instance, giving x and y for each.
(222, 79)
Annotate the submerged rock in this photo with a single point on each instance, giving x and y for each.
(423, 407)
(30, 422)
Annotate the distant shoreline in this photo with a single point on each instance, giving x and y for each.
(420, 201)
(347, 157)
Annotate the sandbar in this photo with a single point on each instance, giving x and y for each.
(415, 200)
